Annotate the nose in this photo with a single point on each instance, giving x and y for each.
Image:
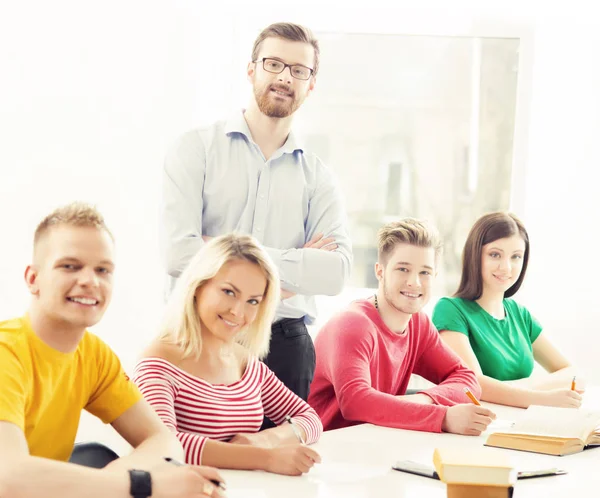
(286, 75)
(504, 264)
(414, 280)
(236, 308)
(88, 278)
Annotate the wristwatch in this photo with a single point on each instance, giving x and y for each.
(140, 483)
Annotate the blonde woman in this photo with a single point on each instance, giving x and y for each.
(203, 376)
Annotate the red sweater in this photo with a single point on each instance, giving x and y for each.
(362, 366)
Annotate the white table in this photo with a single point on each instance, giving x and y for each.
(357, 464)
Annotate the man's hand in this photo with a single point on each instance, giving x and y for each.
(470, 420)
(185, 482)
(318, 242)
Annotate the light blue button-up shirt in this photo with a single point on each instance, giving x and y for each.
(216, 180)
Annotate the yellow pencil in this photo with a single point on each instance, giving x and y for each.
(573, 383)
(472, 396)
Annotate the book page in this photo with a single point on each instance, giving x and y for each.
(552, 421)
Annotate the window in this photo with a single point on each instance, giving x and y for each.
(417, 126)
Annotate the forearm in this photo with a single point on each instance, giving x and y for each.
(513, 393)
(234, 456)
(312, 271)
(33, 477)
(150, 453)
(387, 410)
(545, 381)
(450, 388)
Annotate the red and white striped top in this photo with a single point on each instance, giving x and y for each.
(196, 410)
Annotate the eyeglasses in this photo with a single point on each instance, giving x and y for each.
(276, 66)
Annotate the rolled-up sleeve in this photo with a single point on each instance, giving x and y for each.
(317, 271)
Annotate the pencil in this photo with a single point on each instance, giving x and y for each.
(471, 396)
(295, 429)
(573, 383)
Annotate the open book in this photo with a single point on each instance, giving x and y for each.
(551, 430)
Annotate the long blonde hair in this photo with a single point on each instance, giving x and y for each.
(181, 324)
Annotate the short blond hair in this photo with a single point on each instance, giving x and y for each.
(181, 325)
(407, 231)
(288, 31)
(75, 214)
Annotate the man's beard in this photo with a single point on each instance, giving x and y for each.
(389, 297)
(276, 109)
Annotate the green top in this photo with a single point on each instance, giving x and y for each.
(503, 347)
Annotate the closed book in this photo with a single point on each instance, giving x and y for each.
(478, 491)
(458, 466)
(551, 430)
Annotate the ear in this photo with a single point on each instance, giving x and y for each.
(31, 275)
(250, 71)
(311, 85)
(379, 269)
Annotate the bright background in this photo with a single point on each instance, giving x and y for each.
(92, 94)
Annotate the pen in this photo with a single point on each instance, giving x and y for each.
(471, 396)
(179, 464)
(573, 383)
(297, 431)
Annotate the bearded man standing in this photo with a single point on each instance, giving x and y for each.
(250, 174)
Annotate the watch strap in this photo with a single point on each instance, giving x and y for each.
(140, 483)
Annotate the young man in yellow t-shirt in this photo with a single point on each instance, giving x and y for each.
(52, 368)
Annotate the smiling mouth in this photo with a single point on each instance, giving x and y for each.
(411, 295)
(502, 279)
(229, 323)
(86, 301)
(281, 93)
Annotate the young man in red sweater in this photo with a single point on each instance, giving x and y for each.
(367, 352)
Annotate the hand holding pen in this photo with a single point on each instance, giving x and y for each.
(208, 473)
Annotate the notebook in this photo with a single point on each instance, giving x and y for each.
(484, 467)
(551, 430)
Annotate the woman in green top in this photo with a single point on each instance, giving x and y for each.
(496, 337)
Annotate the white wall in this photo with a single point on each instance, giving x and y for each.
(91, 98)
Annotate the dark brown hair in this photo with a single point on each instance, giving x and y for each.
(288, 31)
(407, 231)
(488, 228)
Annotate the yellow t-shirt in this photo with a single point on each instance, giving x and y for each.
(43, 390)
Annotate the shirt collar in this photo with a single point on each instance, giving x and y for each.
(237, 124)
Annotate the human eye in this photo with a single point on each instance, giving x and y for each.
(104, 271)
(426, 272)
(229, 292)
(517, 256)
(273, 64)
(403, 269)
(69, 266)
(254, 302)
(300, 72)
(495, 255)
